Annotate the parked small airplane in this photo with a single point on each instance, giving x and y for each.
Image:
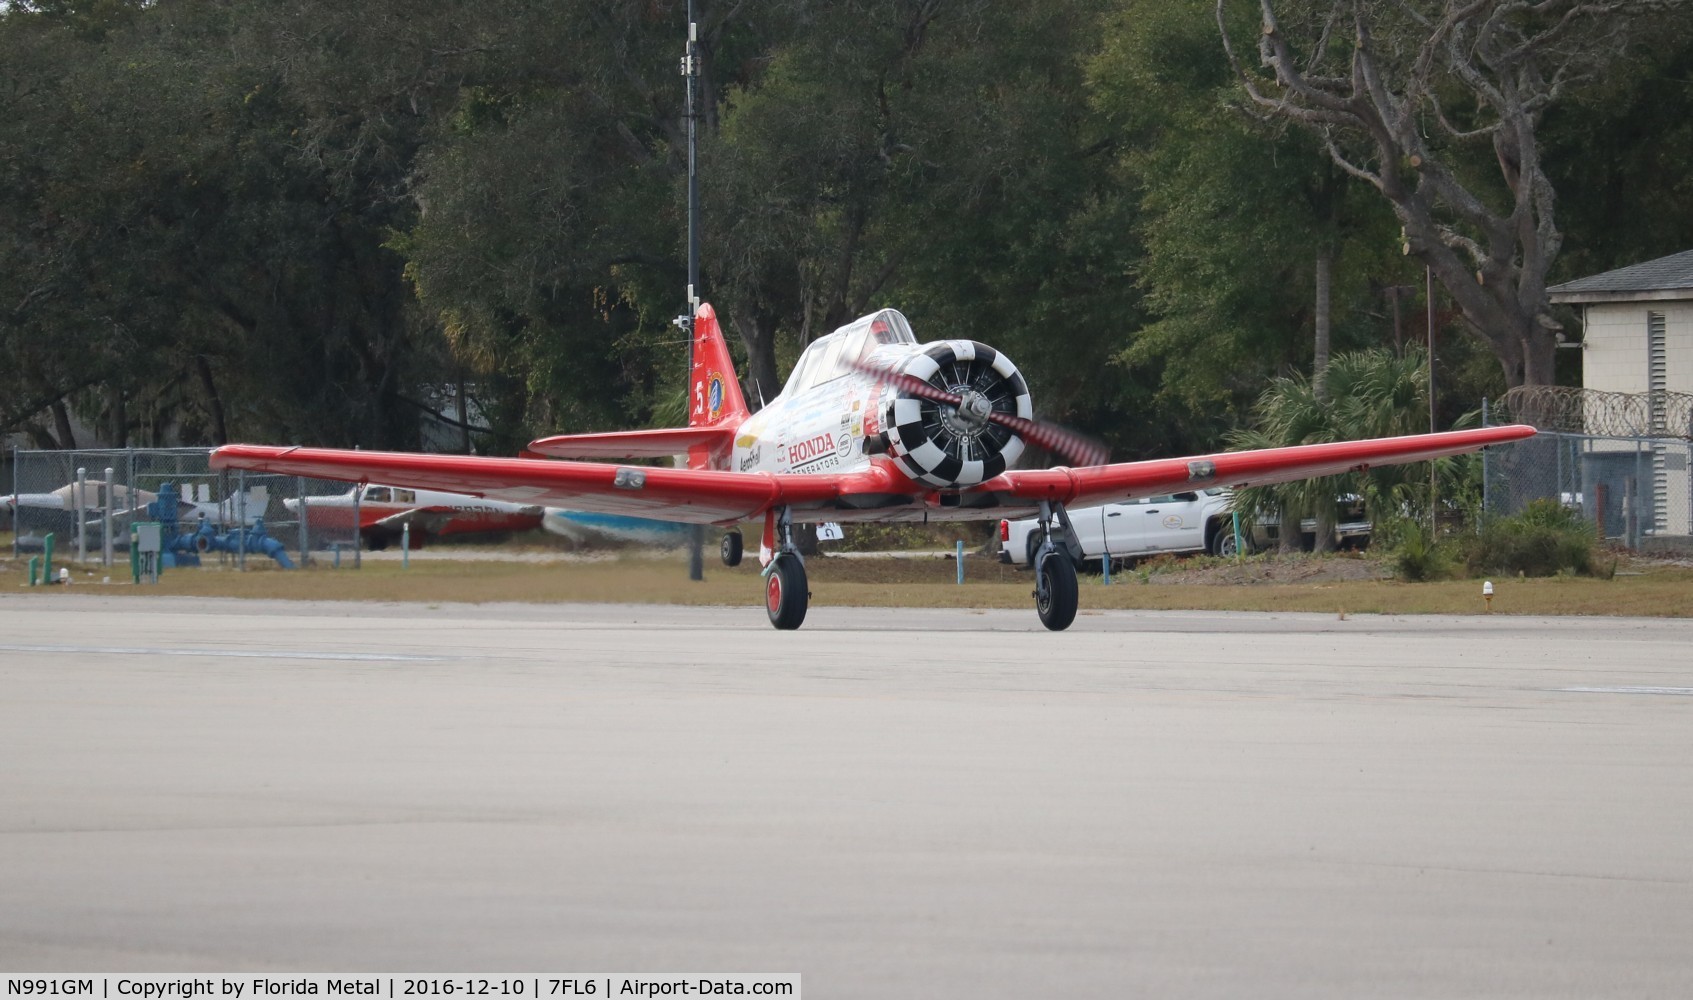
(57, 510)
(385, 511)
(871, 426)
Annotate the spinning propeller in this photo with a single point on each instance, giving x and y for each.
(974, 408)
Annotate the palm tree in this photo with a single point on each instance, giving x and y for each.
(1364, 394)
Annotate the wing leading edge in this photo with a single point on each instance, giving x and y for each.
(1127, 480)
(691, 496)
(709, 496)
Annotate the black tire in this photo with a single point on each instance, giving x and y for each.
(730, 548)
(1058, 608)
(785, 593)
(1223, 542)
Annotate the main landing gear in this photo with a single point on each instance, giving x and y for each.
(730, 549)
(786, 592)
(1056, 596)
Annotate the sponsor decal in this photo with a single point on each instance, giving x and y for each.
(811, 450)
(714, 394)
(753, 456)
(746, 441)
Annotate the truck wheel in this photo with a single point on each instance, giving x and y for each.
(1223, 542)
(1057, 605)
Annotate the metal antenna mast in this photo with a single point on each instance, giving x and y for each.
(691, 72)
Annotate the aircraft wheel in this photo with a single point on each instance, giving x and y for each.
(785, 593)
(1057, 608)
(730, 548)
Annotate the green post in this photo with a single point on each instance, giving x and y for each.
(960, 560)
(34, 570)
(1237, 545)
(47, 558)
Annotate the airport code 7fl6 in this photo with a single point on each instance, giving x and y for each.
(403, 987)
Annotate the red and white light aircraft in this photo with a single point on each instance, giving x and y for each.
(871, 426)
(385, 511)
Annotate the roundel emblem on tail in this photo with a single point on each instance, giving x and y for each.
(714, 394)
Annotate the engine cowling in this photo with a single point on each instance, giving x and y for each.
(947, 446)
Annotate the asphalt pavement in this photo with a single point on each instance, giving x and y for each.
(891, 802)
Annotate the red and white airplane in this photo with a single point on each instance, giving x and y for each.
(871, 426)
(384, 512)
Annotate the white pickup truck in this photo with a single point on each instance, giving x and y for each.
(1197, 521)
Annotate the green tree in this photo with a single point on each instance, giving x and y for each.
(1371, 393)
(1437, 105)
(1237, 224)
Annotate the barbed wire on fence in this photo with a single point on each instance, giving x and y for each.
(1573, 410)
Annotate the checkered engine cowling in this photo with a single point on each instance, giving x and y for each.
(931, 441)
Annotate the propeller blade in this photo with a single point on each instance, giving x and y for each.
(1073, 447)
(1076, 448)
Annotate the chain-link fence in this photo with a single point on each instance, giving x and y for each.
(1637, 491)
(89, 499)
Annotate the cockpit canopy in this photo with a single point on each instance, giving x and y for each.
(828, 358)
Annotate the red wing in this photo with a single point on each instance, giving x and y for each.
(1127, 480)
(691, 496)
(657, 443)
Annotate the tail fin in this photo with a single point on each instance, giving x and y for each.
(716, 409)
(714, 393)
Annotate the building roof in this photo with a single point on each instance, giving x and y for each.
(1665, 278)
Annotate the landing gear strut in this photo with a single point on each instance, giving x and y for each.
(1055, 574)
(786, 591)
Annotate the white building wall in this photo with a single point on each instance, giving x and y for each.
(1615, 336)
(1678, 333)
(1615, 359)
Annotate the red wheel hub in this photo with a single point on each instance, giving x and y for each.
(773, 593)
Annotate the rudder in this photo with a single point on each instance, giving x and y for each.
(714, 392)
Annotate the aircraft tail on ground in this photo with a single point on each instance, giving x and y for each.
(716, 409)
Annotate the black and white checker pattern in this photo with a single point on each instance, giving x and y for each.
(919, 438)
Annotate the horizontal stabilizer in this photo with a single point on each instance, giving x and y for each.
(659, 443)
